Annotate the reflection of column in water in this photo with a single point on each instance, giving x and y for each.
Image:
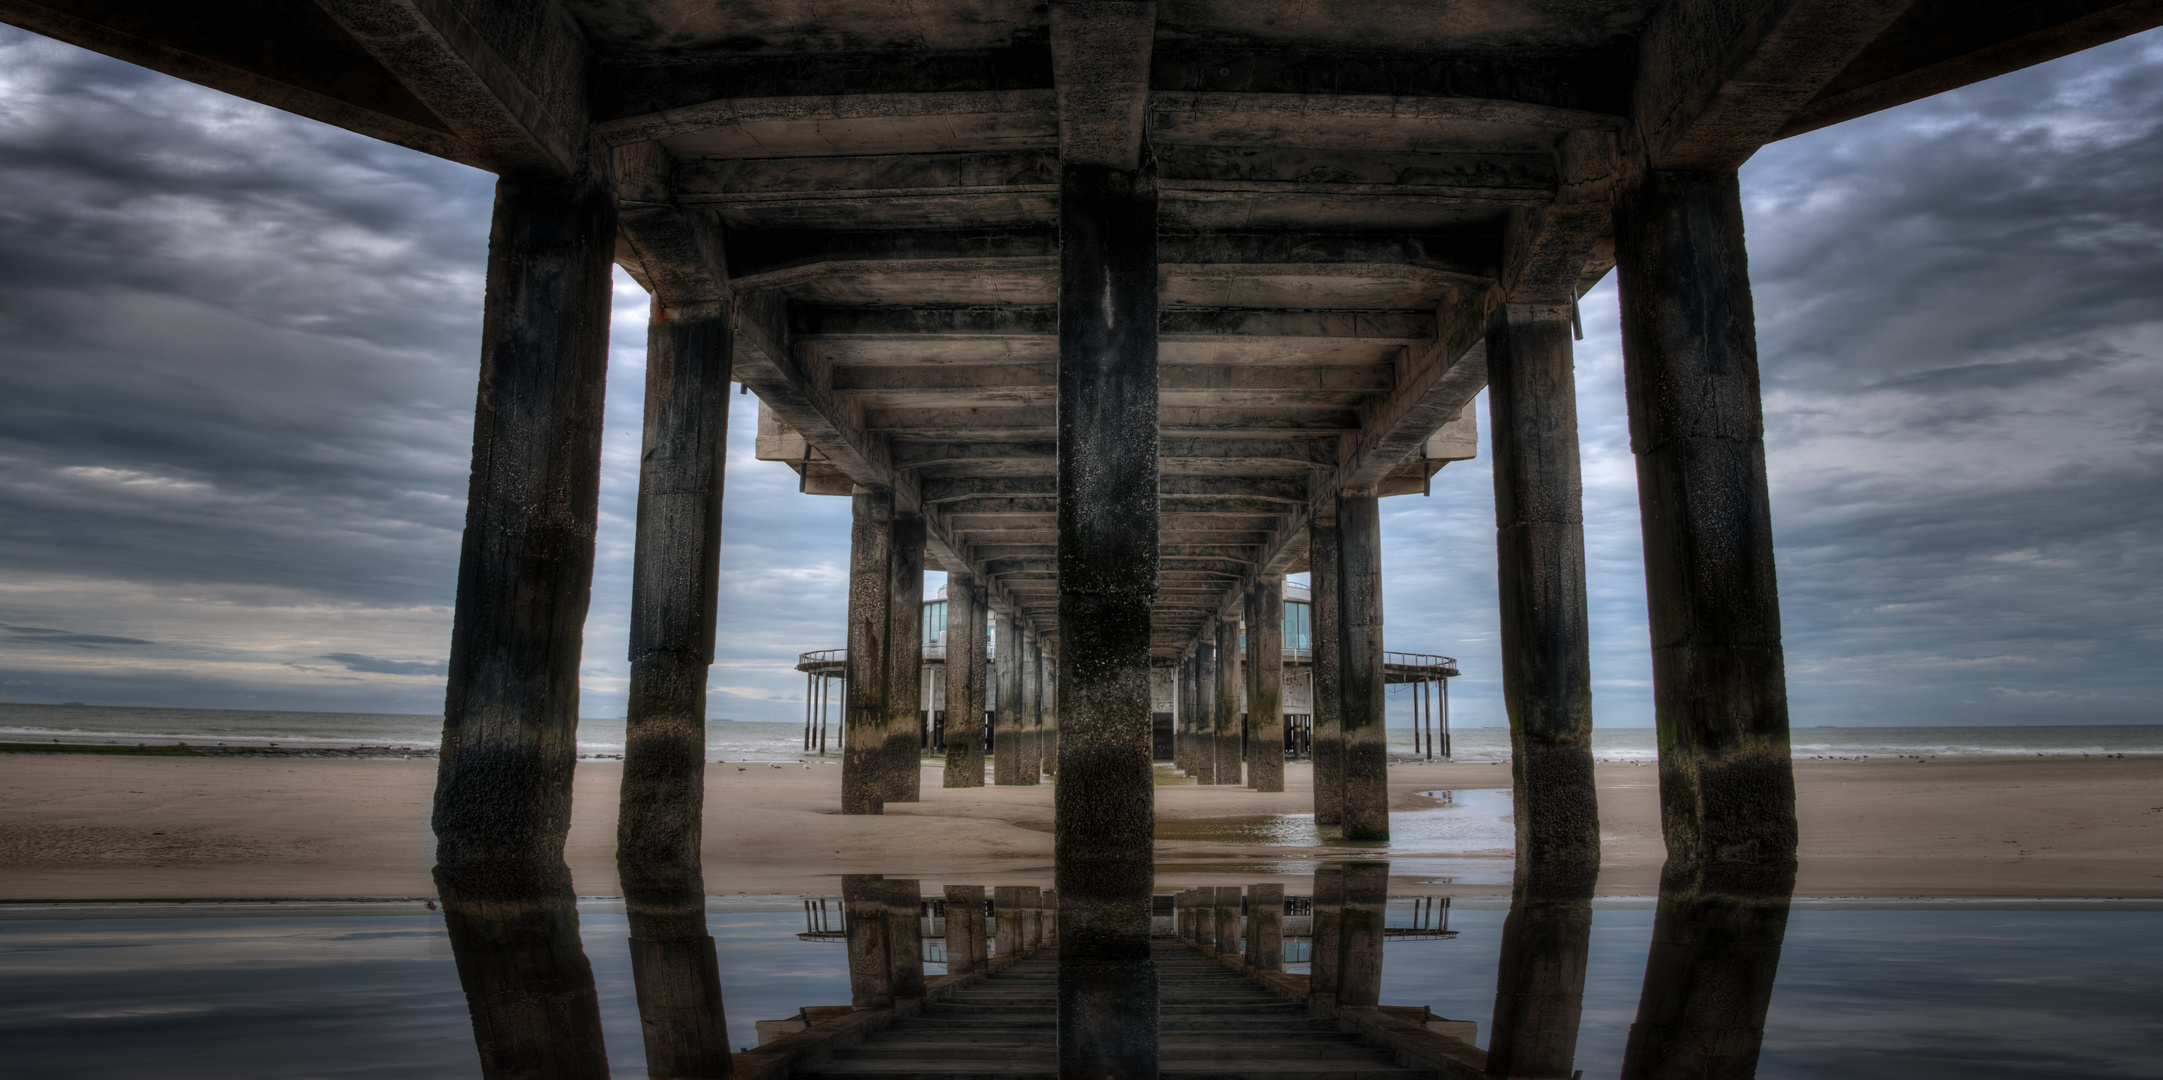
(965, 945)
(1007, 910)
(1708, 978)
(1540, 985)
(678, 980)
(527, 981)
(1328, 929)
(1265, 927)
(1227, 902)
(886, 950)
(1366, 904)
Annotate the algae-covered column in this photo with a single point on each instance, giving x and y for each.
(1727, 787)
(1006, 718)
(864, 754)
(1540, 548)
(1227, 720)
(1105, 799)
(1361, 687)
(1324, 539)
(674, 580)
(903, 760)
(1265, 685)
(964, 681)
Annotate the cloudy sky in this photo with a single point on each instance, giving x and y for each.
(236, 382)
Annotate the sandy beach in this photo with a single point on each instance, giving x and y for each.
(98, 828)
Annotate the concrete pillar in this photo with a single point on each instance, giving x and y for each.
(1265, 686)
(1227, 722)
(964, 681)
(1265, 927)
(1006, 902)
(1229, 902)
(1205, 691)
(1324, 540)
(967, 950)
(1034, 897)
(864, 756)
(1716, 943)
(1032, 744)
(1105, 801)
(674, 579)
(886, 945)
(1005, 733)
(1366, 910)
(1051, 714)
(528, 984)
(904, 758)
(525, 567)
(1366, 746)
(1327, 956)
(1727, 788)
(1205, 918)
(1540, 548)
(1540, 984)
(1183, 733)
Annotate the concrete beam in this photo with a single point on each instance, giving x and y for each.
(1935, 47)
(1717, 79)
(510, 82)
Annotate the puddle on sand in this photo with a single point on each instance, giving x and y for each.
(1475, 820)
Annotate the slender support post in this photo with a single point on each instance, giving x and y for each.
(1324, 539)
(1727, 787)
(1105, 800)
(964, 682)
(1228, 704)
(863, 738)
(967, 951)
(1365, 701)
(1265, 927)
(1265, 687)
(1005, 736)
(1366, 904)
(525, 569)
(675, 579)
(1540, 547)
(807, 711)
(904, 744)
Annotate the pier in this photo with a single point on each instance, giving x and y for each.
(1117, 312)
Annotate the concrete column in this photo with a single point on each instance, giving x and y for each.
(1327, 957)
(1006, 902)
(1005, 733)
(1183, 727)
(1105, 802)
(864, 756)
(1265, 682)
(904, 757)
(1540, 548)
(1207, 684)
(674, 579)
(1540, 984)
(886, 945)
(1205, 918)
(1716, 943)
(1032, 745)
(1229, 901)
(1366, 904)
(1034, 897)
(1265, 927)
(1324, 540)
(1051, 715)
(1366, 747)
(967, 950)
(528, 984)
(1227, 723)
(1727, 788)
(964, 682)
(525, 567)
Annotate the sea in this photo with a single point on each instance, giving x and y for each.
(745, 740)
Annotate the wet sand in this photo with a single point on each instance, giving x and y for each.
(81, 827)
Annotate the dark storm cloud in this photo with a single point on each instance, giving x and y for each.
(45, 636)
(379, 666)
